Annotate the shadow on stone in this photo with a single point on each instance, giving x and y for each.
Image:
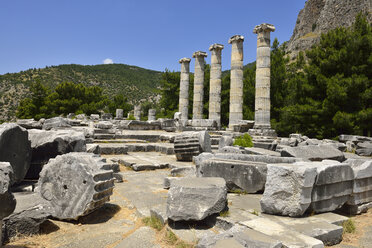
(101, 215)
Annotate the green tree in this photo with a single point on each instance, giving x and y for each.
(169, 90)
(33, 106)
(332, 94)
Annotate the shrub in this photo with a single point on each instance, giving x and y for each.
(244, 141)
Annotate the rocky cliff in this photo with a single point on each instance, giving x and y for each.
(319, 16)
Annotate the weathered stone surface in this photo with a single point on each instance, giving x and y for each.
(288, 237)
(29, 124)
(236, 80)
(333, 185)
(106, 116)
(196, 198)
(364, 148)
(119, 114)
(288, 189)
(241, 237)
(94, 148)
(56, 122)
(75, 184)
(362, 186)
(328, 233)
(187, 171)
(189, 144)
(15, 148)
(314, 153)
(27, 222)
(7, 200)
(242, 175)
(233, 150)
(94, 117)
(225, 141)
(49, 144)
(103, 125)
(353, 138)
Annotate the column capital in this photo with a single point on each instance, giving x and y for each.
(199, 54)
(236, 38)
(264, 27)
(184, 60)
(216, 46)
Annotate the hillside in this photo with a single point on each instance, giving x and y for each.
(134, 82)
(320, 16)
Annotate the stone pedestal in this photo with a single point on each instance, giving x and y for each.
(119, 114)
(152, 115)
(215, 84)
(183, 105)
(262, 100)
(236, 80)
(197, 109)
(137, 112)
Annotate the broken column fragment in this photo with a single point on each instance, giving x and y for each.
(75, 184)
(15, 148)
(189, 144)
(152, 115)
(137, 112)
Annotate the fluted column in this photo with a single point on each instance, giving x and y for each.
(215, 83)
(183, 105)
(236, 80)
(262, 99)
(197, 109)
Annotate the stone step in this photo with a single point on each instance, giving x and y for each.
(120, 141)
(117, 148)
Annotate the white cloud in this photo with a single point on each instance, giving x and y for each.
(108, 61)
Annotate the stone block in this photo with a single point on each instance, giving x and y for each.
(27, 222)
(288, 189)
(29, 124)
(242, 175)
(225, 141)
(7, 199)
(55, 123)
(364, 148)
(239, 236)
(314, 153)
(15, 148)
(196, 198)
(103, 125)
(287, 236)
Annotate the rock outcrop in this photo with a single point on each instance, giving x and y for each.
(320, 16)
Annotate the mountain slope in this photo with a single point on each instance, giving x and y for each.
(134, 82)
(320, 16)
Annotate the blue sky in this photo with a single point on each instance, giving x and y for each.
(153, 34)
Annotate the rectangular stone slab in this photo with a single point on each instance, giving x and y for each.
(288, 237)
(314, 153)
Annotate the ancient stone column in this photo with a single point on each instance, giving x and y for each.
(137, 112)
(119, 114)
(183, 105)
(262, 100)
(215, 84)
(197, 107)
(236, 80)
(152, 115)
